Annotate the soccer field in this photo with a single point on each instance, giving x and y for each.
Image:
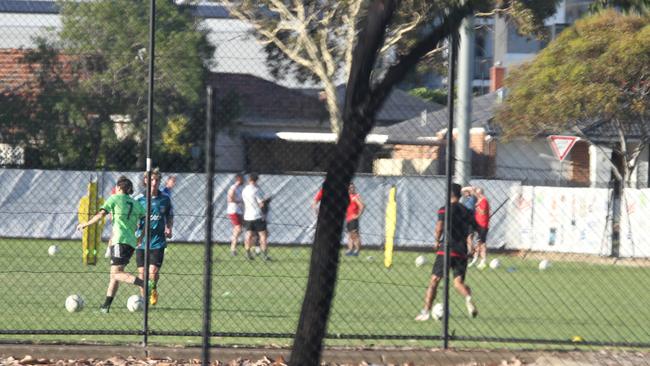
(598, 302)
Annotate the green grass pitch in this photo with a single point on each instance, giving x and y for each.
(600, 303)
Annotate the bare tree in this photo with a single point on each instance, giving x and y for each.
(318, 36)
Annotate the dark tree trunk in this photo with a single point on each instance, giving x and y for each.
(361, 104)
(617, 193)
(327, 243)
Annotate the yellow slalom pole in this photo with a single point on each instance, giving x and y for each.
(92, 235)
(391, 223)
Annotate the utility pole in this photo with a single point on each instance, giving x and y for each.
(463, 165)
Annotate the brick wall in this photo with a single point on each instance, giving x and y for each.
(19, 77)
(579, 157)
(483, 153)
(415, 152)
(14, 74)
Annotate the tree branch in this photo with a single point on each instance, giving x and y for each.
(450, 23)
(380, 15)
(271, 36)
(399, 33)
(353, 15)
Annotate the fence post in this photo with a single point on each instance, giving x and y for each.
(147, 220)
(448, 174)
(207, 267)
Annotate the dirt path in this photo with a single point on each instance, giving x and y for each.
(61, 355)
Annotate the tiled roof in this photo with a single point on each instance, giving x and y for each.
(29, 6)
(428, 125)
(399, 105)
(266, 103)
(50, 7)
(606, 131)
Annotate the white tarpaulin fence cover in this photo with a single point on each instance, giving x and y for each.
(44, 204)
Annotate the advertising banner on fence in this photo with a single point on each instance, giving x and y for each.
(558, 219)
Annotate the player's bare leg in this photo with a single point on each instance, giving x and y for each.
(350, 250)
(236, 232)
(264, 245)
(248, 240)
(482, 252)
(113, 285)
(475, 251)
(153, 283)
(357, 242)
(429, 296)
(466, 292)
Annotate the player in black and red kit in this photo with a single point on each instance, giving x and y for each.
(462, 226)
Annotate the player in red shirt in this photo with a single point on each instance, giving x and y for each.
(317, 198)
(482, 217)
(352, 214)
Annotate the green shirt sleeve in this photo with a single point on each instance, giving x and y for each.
(109, 205)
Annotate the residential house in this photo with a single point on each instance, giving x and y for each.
(267, 108)
(280, 129)
(421, 142)
(422, 146)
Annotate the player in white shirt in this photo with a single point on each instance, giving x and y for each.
(235, 211)
(254, 216)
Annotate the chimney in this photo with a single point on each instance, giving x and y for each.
(497, 74)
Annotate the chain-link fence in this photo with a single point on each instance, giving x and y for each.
(566, 258)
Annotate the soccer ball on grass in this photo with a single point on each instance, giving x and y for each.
(438, 311)
(134, 303)
(53, 250)
(74, 303)
(420, 260)
(495, 263)
(544, 264)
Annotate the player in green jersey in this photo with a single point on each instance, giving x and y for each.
(126, 213)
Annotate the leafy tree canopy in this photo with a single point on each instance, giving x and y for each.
(633, 6)
(596, 70)
(103, 73)
(433, 95)
(111, 37)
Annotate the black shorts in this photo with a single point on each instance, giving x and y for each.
(255, 225)
(156, 257)
(457, 265)
(121, 254)
(352, 225)
(482, 234)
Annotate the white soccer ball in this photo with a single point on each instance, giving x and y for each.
(53, 250)
(495, 263)
(420, 260)
(74, 303)
(544, 264)
(438, 311)
(134, 303)
(258, 250)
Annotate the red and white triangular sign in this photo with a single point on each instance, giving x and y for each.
(561, 145)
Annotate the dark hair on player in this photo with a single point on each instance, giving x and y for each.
(125, 184)
(455, 190)
(253, 177)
